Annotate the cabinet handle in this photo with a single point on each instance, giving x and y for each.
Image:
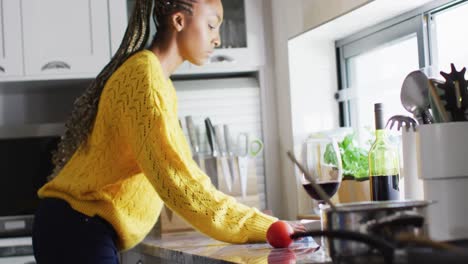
(55, 65)
(222, 59)
(2, 69)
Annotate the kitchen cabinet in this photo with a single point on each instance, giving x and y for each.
(242, 47)
(65, 36)
(59, 39)
(242, 44)
(11, 55)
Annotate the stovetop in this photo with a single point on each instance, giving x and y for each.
(416, 255)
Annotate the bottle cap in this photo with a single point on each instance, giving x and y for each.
(378, 111)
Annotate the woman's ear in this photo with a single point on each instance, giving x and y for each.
(178, 21)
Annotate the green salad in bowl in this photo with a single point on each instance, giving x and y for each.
(354, 159)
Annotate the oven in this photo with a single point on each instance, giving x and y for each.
(25, 164)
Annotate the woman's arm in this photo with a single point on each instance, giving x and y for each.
(162, 152)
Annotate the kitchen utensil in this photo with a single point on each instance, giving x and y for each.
(383, 220)
(230, 153)
(193, 139)
(414, 96)
(323, 195)
(401, 120)
(210, 161)
(247, 149)
(455, 94)
(441, 112)
(223, 158)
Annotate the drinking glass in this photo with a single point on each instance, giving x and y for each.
(321, 158)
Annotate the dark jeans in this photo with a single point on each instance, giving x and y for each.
(64, 235)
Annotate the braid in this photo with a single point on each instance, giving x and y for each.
(81, 121)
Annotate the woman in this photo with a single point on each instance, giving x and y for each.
(124, 155)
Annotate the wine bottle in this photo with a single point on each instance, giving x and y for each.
(384, 166)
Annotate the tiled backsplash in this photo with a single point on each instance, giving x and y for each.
(232, 101)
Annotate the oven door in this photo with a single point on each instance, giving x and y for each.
(18, 260)
(17, 250)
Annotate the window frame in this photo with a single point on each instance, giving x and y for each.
(416, 22)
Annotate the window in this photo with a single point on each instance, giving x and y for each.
(374, 62)
(376, 76)
(451, 38)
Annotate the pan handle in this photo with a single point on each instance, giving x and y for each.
(398, 219)
(387, 249)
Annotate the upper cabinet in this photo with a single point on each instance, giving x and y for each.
(242, 44)
(11, 54)
(60, 38)
(65, 36)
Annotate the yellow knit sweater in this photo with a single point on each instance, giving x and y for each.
(137, 158)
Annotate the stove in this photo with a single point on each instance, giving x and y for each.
(416, 255)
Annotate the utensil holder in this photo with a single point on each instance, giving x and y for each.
(217, 175)
(443, 160)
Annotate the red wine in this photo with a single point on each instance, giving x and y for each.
(384, 188)
(330, 189)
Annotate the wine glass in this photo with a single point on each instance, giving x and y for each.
(321, 158)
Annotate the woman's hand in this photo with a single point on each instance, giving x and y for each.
(297, 226)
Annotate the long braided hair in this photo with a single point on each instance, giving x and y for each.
(80, 123)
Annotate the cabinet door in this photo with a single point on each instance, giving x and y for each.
(65, 37)
(241, 33)
(11, 56)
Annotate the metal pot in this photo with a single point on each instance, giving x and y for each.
(382, 220)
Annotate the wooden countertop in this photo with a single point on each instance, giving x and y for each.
(194, 247)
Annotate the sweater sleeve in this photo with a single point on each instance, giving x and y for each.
(161, 150)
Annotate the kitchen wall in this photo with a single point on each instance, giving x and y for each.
(283, 20)
(317, 12)
(233, 101)
(288, 20)
(305, 68)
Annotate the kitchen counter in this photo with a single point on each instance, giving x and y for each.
(193, 247)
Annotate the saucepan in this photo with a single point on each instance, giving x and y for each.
(387, 220)
(371, 228)
(356, 231)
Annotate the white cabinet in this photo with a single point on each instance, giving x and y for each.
(242, 44)
(59, 39)
(11, 54)
(65, 36)
(242, 40)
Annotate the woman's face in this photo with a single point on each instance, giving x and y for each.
(200, 34)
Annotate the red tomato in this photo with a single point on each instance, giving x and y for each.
(279, 234)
